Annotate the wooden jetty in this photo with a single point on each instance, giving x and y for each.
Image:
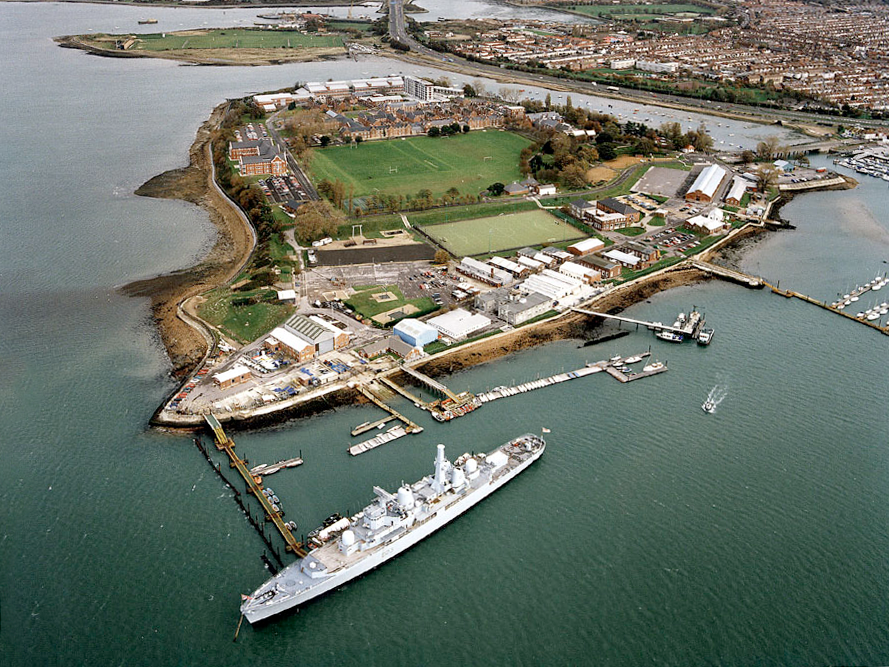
(254, 485)
(374, 398)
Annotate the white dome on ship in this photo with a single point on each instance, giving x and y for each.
(471, 466)
(405, 497)
(457, 477)
(348, 538)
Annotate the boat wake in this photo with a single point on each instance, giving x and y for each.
(717, 395)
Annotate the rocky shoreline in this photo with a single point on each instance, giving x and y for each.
(186, 345)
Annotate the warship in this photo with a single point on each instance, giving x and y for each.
(391, 524)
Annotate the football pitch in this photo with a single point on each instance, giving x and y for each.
(502, 232)
(469, 162)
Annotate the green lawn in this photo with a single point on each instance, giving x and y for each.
(502, 232)
(631, 231)
(367, 306)
(234, 38)
(243, 323)
(406, 166)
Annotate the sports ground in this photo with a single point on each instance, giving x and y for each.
(501, 232)
(469, 162)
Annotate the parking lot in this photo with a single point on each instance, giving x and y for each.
(280, 189)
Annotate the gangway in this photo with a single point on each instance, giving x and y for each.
(429, 382)
(655, 326)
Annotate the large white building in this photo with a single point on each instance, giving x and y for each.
(459, 323)
(706, 184)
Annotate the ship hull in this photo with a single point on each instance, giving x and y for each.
(386, 552)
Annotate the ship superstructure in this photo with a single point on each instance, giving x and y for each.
(393, 523)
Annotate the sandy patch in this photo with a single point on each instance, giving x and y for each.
(623, 161)
(385, 318)
(597, 174)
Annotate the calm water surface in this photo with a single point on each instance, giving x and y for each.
(649, 533)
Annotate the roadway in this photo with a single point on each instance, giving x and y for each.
(452, 62)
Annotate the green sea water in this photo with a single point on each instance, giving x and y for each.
(649, 533)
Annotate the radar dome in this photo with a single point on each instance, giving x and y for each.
(471, 466)
(405, 497)
(348, 538)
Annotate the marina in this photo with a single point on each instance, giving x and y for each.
(864, 317)
(685, 327)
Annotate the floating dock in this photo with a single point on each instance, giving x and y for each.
(393, 433)
(610, 366)
(264, 469)
(370, 426)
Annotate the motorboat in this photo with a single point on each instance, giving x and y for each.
(708, 406)
(706, 336)
(670, 336)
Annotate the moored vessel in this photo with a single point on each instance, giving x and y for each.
(391, 524)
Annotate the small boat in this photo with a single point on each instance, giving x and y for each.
(147, 21)
(670, 336)
(709, 407)
(706, 336)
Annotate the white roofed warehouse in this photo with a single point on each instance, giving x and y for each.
(707, 184)
(459, 323)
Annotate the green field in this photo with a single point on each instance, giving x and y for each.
(238, 38)
(406, 166)
(502, 232)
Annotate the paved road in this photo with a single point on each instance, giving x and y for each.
(397, 30)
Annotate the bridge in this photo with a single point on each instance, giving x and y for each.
(654, 326)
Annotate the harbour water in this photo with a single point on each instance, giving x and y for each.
(649, 533)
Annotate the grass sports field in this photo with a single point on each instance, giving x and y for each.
(469, 162)
(233, 39)
(502, 232)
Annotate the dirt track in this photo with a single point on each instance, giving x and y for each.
(234, 243)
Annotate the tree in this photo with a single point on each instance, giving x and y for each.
(325, 141)
(496, 189)
(359, 139)
(767, 149)
(548, 103)
(766, 177)
(607, 152)
(469, 90)
(441, 257)
(434, 132)
(465, 129)
(747, 156)
(574, 175)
